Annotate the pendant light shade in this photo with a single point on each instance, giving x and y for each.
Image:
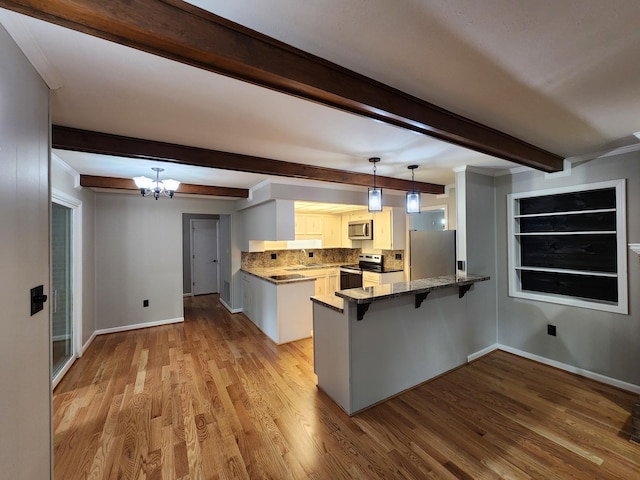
(374, 200)
(413, 197)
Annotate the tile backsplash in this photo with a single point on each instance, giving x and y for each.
(285, 258)
(390, 260)
(295, 257)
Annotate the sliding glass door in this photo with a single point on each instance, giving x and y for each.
(61, 287)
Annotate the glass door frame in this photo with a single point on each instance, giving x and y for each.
(75, 205)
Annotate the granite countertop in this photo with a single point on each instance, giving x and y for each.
(295, 273)
(330, 301)
(388, 270)
(380, 292)
(280, 275)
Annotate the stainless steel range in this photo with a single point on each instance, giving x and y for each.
(351, 275)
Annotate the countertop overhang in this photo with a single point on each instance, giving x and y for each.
(392, 290)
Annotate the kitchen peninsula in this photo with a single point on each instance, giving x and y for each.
(375, 342)
(278, 303)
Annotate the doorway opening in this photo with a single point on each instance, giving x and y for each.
(205, 272)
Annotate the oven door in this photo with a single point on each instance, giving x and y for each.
(350, 278)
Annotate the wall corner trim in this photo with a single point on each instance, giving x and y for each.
(231, 309)
(86, 345)
(481, 353)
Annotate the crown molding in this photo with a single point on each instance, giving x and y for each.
(23, 37)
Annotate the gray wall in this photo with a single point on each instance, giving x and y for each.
(139, 256)
(480, 231)
(25, 366)
(601, 342)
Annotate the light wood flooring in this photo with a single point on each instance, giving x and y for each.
(214, 398)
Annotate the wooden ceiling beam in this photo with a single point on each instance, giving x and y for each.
(183, 188)
(66, 138)
(176, 30)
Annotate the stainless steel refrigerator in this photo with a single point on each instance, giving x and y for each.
(432, 253)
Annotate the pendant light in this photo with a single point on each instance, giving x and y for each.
(375, 194)
(148, 186)
(413, 197)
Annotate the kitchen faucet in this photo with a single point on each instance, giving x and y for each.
(304, 254)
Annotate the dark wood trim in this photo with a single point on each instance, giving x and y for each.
(66, 138)
(184, 188)
(182, 32)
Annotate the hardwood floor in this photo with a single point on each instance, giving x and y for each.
(214, 398)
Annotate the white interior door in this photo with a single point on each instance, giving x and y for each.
(204, 256)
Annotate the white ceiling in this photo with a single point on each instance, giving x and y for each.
(561, 75)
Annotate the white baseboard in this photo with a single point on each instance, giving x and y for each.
(187, 294)
(86, 345)
(482, 353)
(228, 307)
(570, 368)
(125, 328)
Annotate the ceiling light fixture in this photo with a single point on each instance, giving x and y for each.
(148, 186)
(375, 194)
(413, 197)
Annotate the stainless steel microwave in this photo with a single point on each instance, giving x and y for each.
(361, 230)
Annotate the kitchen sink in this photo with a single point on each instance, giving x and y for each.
(289, 276)
(305, 266)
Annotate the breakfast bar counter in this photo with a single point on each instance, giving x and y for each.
(389, 338)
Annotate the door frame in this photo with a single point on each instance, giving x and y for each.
(75, 205)
(217, 222)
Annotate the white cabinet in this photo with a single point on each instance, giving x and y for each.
(333, 282)
(373, 279)
(282, 311)
(358, 216)
(308, 227)
(331, 231)
(327, 280)
(247, 295)
(260, 304)
(389, 228)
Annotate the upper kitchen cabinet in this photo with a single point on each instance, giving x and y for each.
(327, 228)
(389, 227)
(272, 220)
(308, 227)
(356, 216)
(331, 231)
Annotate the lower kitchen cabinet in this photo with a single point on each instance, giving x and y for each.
(373, 279)
(282, 311)
(327, 280)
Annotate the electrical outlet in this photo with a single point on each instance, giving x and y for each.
(310, 254)
(398, 256)
(462, 265)
(145, 303)
(274, 256)
(551, 330)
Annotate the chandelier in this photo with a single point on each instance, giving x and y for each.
(149, 186)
